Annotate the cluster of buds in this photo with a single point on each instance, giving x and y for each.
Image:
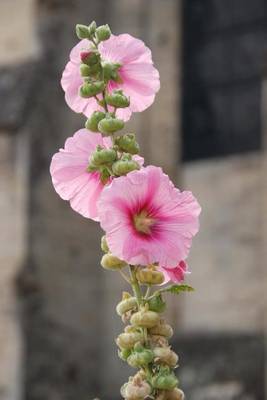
(144, 344)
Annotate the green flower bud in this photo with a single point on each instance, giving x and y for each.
(103, 32)
(123, 167)
(126, 305)
(117, 99)
(175, 394)
(109, 261)
(165, 380)
(162, 329)
(110, 125)
(88, 90)
(166, 355)
(92, 122)
(102, 156)
(149, 276)
(124, 354)
(84, 70)
(82, 31)
(127, 340)
(157, 304)
(145, 319)
(92, 28)
(104, 175)
(110, 71)
(127, 143)
(90, 57)
(104, 245)
(140, 357)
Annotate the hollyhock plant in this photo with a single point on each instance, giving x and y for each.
(149, 224)
(137, 76)
(147, 220)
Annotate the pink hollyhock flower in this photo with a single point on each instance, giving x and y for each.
(176, 274)
(139, 78)
(69, 173)
(147, 220)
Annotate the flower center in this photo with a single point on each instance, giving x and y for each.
(143, 222)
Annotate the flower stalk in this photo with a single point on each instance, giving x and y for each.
(148, 224)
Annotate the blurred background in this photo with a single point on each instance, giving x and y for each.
(57, 318)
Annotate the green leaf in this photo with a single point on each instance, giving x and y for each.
(176, 289)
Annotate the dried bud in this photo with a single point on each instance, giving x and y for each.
(136, 390)
(145, 319)
(157, 304)
(110, 125)
(88, 90)
(109, 261)
(126, 305)
(104, 245)
(127, 340)
(117, 99)
(82, 31)
(175, 394)
(127, 143)
(124, 166)
(102, 156)
(103, 32)
(166, 355)
(162, 329)
(150, 276)
(93, 121)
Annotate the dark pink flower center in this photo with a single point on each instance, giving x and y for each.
(143, 222)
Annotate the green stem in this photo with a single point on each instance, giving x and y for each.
(136, 287)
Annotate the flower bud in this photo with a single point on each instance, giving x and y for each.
(92, 122)
(165, 380)
(162, 329)
(88, 90)
(126, 305)
(110, 71)
(104, 245)
(166, 355)
(110, 125)
(175, 394)
(127, 340)
(124, 354)
(84, 70)
(103, 32)
(127, 143)
(137, 391)
(82, 31)
(102, 156)
(149, 276)
(117, 99)
(157, 304)
(145, 319)
(92, 28)
(123, 167)
(140, 357)
(109, 261)
(89, 57)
